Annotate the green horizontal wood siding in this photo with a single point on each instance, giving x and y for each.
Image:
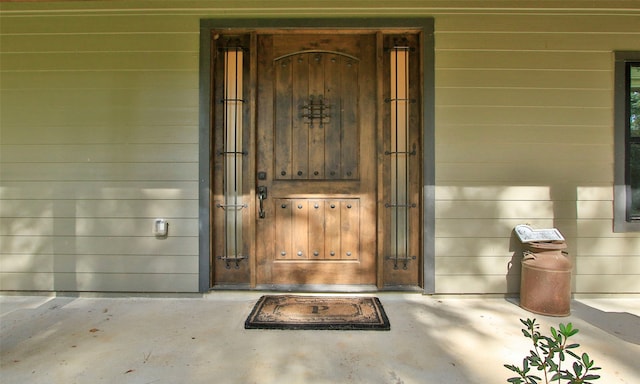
(99, 135)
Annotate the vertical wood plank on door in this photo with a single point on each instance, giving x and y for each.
(316, 229)
(300, 229)
(300, 128)
(283, 128)
(332, 229)
(350, 228)
(317, 127)
(350, 132)
(283, 228)
(333, 77)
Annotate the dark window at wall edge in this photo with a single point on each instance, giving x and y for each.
(627, 166)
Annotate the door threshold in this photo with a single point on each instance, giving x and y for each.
(318, 288)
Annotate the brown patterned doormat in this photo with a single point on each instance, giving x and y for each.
(318, 312)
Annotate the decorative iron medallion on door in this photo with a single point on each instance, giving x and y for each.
(316, 110)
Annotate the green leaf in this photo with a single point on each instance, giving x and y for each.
(573, 355)
(569, 330)
(512, 367)
(567, 376)
(577, 368)
(534, 379)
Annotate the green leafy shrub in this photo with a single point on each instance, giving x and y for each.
(550, 356)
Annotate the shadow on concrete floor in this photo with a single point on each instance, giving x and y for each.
(623, 325)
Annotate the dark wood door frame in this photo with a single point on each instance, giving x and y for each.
(425, 25)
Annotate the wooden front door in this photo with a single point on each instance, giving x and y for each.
(316, 159)
(316, 153)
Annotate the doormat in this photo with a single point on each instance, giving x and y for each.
(318, 312)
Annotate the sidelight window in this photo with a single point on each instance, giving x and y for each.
(399, 154)
(627, 121)
(232, 154)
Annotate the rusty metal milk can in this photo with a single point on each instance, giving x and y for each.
(545, 285)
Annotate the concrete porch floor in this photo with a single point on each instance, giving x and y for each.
(202, 340)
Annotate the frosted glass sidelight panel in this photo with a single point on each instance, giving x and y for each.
(233, 154)
(399, 100)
